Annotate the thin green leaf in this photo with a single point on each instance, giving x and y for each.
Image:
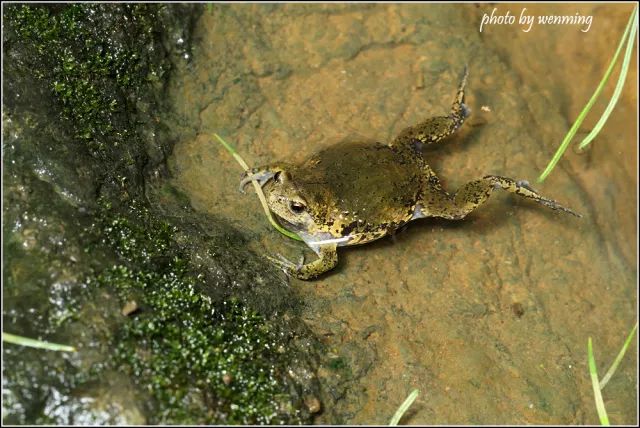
(618, 90)
(616, 363)
(33, 343)
(587, 108)
(259, 192)
(404, 407)
(593, 371)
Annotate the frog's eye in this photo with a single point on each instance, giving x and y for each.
(281, 177)
(296, 207)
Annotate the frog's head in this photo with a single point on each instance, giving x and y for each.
(285, 197)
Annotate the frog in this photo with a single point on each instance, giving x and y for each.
(357, 191)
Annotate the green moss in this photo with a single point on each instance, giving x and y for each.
(93, 74)
(203, 361)
(337, 364)
(139, 238)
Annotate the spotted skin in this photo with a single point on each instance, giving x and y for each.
(356, 192)
(327, 260)
(438, 203)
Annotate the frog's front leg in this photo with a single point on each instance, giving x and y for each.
(261, 174)
(328, 259)
(435, 129)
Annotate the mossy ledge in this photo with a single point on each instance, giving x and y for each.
(206, 361)
(83, 84)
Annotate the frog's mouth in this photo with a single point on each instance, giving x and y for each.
(313, 240)
(286, 224)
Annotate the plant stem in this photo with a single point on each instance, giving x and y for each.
(587, 108)
(593, 371)
(259, 192)
(404, 407)
(618, 90)
(33, 343)
(616, 362)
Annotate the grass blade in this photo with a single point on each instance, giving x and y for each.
(616, 363)
(259, 192)
(587, 108)
(404, 407)
(33, 343)
(593, 371)
(616, 93)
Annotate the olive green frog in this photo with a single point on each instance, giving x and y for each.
(356, 192)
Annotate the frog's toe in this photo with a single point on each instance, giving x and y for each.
(284, 265)
(283, 259)
(287, 266)
(261, 177)
(466, 110)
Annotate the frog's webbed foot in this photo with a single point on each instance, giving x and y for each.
(435, 129)
(261, 174)
(459, 110)
(523, 188)
(287, 266)
(328, 259)
(261, 177)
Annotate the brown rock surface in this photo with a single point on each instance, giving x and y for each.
(489, 317)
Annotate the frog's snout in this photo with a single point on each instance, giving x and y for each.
(261, 177)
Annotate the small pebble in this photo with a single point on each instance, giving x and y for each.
(518, 309)
(130, 307)
(312, 403)
(227, 378)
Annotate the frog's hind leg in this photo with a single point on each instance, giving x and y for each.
(437, 128)
(438, 203)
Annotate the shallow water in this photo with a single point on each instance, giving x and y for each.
(489, 317)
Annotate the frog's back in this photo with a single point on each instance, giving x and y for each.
(372, 181)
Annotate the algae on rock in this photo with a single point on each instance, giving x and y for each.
(88, 227)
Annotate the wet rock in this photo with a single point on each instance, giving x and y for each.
(91, 227)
